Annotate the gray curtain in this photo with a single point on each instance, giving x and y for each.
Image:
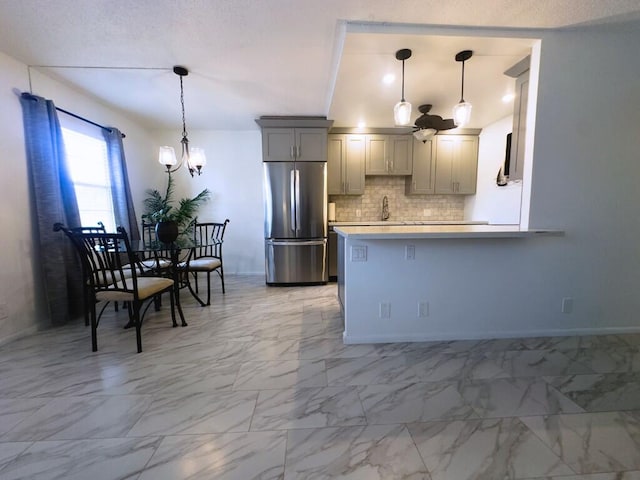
(120, 190)
(53, 200)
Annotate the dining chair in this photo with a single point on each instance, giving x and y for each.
(105, 257)
(99, 228)
(206, 256)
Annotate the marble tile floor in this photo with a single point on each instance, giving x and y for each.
(260, 386)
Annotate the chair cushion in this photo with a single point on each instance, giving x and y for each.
(147, 287)
(205, 264)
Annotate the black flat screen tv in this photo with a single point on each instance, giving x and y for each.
(507, 156)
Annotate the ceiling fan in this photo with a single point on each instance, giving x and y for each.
(426, 125)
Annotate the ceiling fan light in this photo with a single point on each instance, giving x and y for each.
(167, 156)
(424, 134)
(462, 113)
(402, 113)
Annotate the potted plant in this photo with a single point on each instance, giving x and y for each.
(170, 220)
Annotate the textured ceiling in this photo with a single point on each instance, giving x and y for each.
(276, 57)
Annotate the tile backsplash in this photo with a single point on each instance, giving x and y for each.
(401, 206)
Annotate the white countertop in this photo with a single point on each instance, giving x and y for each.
(395, 232)
(405, 222)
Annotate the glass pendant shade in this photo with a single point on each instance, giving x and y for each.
(462, 113)
(402, 113)
(167, 156)
(197, 158)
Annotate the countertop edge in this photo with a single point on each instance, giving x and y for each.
(441, 232)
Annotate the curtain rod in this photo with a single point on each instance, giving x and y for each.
(87, 120)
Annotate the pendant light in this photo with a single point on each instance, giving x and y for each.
(402, 110)
(462, 111)
(193, 157)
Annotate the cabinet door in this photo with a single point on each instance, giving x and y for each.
(354, 164)
(377, 156)
(422, 181)
(456, 164)
(401, 149)
(445, 153)
(311, 144)
(516, 160)
(465, 166)
(277, 144)
(336, 145)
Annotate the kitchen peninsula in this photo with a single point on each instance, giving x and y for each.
(402, 283)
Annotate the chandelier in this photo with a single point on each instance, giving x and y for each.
(193, 157)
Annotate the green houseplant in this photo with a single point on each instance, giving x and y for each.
(171, 220)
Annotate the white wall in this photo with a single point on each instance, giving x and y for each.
(497, 205)
(233, 174)
(18, 294)
(21, 294)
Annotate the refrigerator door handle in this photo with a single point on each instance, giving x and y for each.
(297, 200)
(283, 243)
(292, 200)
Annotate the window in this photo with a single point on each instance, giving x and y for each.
(89, 165)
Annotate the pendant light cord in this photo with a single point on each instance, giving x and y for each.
(402, 99)
(462, 87)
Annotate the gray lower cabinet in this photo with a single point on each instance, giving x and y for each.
(422, 181)
(345, 164)
(456, 164)
(388, 154)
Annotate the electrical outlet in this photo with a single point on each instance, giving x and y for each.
(385, 310)
(423, 309)
(358, 213)
(3, 310)
(567, 305)
(359, 253)
(425, 212)
(410, 252)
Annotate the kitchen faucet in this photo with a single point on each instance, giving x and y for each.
(385, 208)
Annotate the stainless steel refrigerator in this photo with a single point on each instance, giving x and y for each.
(295, 226)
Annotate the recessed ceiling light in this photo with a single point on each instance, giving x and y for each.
(508, 97)
(361, 125)
(388, 79)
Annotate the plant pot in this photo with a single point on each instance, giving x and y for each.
(167, 232)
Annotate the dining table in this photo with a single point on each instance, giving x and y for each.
(170, 260)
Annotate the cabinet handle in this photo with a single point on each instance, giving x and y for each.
(291, 154)
(298, 151)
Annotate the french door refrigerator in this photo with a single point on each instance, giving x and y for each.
(295, 226)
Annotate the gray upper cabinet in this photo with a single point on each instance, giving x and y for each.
(516, 160)
(456, 164)
(345, 164)
(300, 144)
(422, 181)
(388, 154)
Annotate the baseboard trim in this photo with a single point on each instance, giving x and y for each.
(487, 335)
(22, 333)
